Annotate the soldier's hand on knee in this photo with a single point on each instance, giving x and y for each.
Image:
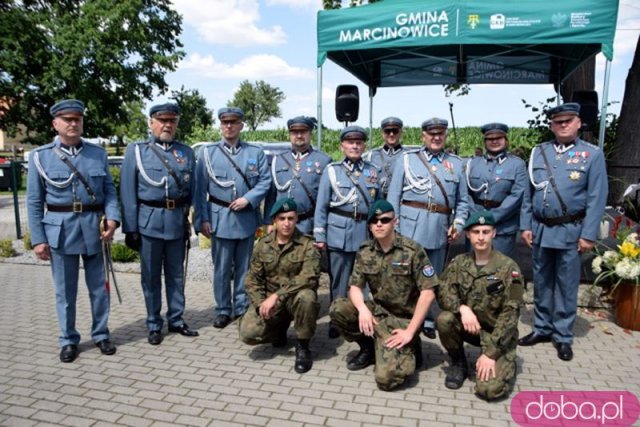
(366, 322)
(469, 320)
(42, 251)
(485, 368)
(399, 338)
(268, 306)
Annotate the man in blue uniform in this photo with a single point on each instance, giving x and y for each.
(69, 188)
(296, 173)
(232, 179)
(561, 213)
(429, 191)
(497, 181)
(386, 157)
(347, 191)
(156, 187)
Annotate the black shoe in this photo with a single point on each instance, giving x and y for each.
(429, 332)
(106, 347)
(280, 340)
(365, 357)
(68, 353)
(417, 349)
(155, 337)
(184, 330)
(303, 357)
(458, 372)
(532, 339)
(333, 331)
(221, 321)
(564, 351)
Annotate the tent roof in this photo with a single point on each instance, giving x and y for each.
(418, 42)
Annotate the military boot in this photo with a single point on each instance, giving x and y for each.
(365, 357)
(280, 338)
(457, 371)
(303, 357)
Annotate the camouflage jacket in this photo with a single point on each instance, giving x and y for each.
(395, 278)
(283, 271)
(494, 294)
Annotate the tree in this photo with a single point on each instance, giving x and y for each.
(135, 128)
(103, 52)
(260, 102)
(623, 166)
(194, 112)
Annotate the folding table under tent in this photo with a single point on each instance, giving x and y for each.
(427, 42)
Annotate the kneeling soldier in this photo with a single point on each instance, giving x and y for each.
(386, 327)
(480, 294)
(281, 284)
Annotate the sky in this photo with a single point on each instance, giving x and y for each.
(228, 41)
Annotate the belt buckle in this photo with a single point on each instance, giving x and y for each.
(355, 214)
(430, 206)
(170, 204)
(77, 207)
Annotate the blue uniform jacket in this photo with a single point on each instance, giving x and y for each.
(581, 177)
(156, 222)
(69, 232)
(337, 231)
(502, 179)
(429, 228)
(386, 162)
(282, 173)
(225, 223)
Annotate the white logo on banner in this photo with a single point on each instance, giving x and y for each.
(497, 22)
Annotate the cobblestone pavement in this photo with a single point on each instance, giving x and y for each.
(216, 380)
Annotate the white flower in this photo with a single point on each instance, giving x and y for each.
(633, 238)
(610, 257)
(625, 269)
(596, 265)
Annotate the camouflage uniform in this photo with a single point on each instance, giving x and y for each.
(292, 272)
(497, 311)
(395, 279)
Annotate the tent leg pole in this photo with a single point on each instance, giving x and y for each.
(605, 101)
(319, 108)
(370, 118)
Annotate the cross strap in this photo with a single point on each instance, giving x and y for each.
(357, 185)
(436, 179)
(76, 172)
(552, 181)
(165, 163)
(297, 177)
(235, 166)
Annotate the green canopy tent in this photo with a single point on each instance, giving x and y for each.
(426, 42)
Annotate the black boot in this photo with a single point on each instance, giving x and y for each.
(365, 357)
(280, 339)
(417, 349)
(457, 371)
(303, 357)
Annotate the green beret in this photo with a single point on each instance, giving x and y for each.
(231, 110)
(391, 121)
(434, 122)
(67, 106)
(481, 218)
(494, 127)
(308, 122)
(357, 131)
(567, 108)
(286, 204)
(379, 207)
(165, 108)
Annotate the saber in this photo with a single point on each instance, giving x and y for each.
(113, 273)
(105, 264)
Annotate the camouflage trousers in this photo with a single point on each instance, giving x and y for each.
(393, 366)
(453, 337)
(302, 308)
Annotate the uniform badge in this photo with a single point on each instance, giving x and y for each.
(574, 176)
(373, 192)
(357, 173)
(428, 271)
(252, 164)
(187, 177)
(178, 155)
(434, 168)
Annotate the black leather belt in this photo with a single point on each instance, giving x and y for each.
(166, 203)
(431, 207)
(486, 203)
(358, 216)
(306, 215)
(218, 201)
(557, 220)
(76, 207)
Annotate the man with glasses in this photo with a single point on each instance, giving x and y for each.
(282, 285)
(387, 325)
(497, 181)
(156, 188)
(296, 173)
(69, 192)
(347, 190)
(232, 179)
(429, 192)
(385, 157)
(560, 219)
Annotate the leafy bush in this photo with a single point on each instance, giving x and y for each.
(6, 249)
(26, 241)
(115, 174)
(121, 253)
